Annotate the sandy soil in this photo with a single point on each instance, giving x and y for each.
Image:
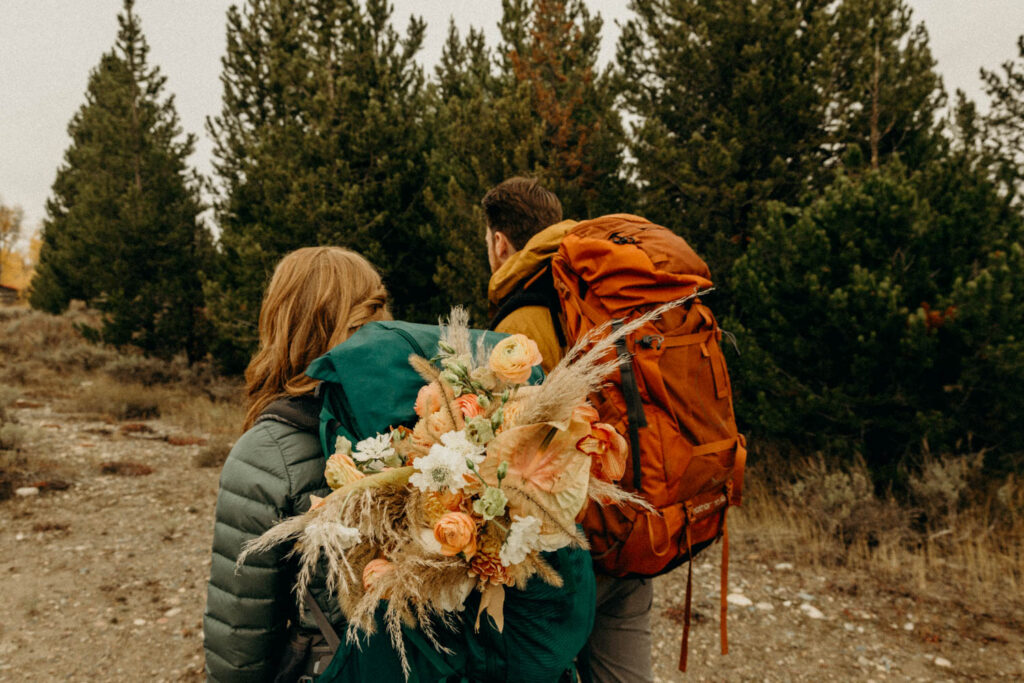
(105, 581)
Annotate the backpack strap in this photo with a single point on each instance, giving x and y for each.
(330, 635)
(635, 418)
(538, 291)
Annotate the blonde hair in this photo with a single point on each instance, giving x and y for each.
(316, 299)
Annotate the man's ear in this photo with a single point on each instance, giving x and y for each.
(502, 246)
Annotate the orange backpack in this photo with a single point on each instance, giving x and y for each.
(672, 399)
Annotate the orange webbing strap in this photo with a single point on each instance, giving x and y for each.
(736, 489)
(725, 582)
(685, 646)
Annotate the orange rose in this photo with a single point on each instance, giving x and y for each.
(429, 400)
(512, 360)
(607, 450)
(456, 532)
(373, 570)
(469, 404)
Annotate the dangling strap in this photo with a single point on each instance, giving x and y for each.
(685, 646)
(322, 622)
(725, 582)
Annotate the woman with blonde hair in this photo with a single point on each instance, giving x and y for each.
(253, 631)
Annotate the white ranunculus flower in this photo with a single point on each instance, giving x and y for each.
(442, 468)
(523, 538)
(457, 441)
(374, 448)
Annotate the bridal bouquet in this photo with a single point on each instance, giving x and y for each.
(492, 475)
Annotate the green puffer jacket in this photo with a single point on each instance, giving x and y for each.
(269, 475)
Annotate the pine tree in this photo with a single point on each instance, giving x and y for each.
(887, 96)
(539, 107)
(884, 317)
(1005, 121)
(122, 230)
(742, 103)
(320, 140)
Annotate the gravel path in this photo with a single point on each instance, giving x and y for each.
(106, 582)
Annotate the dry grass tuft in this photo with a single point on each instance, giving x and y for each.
(125, 468)
(213, 454)
(948, 538)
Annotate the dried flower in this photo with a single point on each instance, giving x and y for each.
(456, 532)
(513, 358)
(491, 504)
(429, 400)
(340, 470)
(607, 450)
(373, 570)
(523, 538)
(374, 448)
(479, 430)
(486, 378)
(469, 404)
(487, 564)
(442, 468)
(342, 445)
(460, 443)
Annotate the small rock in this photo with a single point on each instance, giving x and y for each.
(848, 626)
(739, 600)
(943, 662)
(174, 611)
(765, 606)
(20, 537)
(783, 566)
(806, 597)
(811, 611)
(909, 626)
(787, 603)
(162, 620)
(139, 622)
(863, 661)
(26, 491)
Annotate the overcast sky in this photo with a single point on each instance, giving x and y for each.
(47, 48)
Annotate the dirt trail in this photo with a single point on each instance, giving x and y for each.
(106, 582)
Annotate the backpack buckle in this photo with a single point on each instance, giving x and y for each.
(622, 239)
(652, 341)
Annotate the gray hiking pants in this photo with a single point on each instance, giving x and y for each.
(620, 645)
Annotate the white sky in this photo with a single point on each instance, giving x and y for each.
(47, 48)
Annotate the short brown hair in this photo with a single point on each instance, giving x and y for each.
(520, 208)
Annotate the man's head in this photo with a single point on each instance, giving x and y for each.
(516, 210)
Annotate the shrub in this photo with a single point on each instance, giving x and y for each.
(12, 436)
(943, 485)
(881, 318)
(213, 454)
(139, 369)
(842, 503)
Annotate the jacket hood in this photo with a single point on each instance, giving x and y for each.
(527, 262)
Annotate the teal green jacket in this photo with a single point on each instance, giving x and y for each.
(269, 475)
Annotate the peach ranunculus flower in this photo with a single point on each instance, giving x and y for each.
(373, 570)
(607, 450)
(512, 360)
(469, 404)
(429, 400)
(456, 532)
(341, 470)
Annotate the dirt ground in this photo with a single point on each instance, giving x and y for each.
(105, 581)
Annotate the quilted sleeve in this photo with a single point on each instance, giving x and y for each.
(247, 610)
